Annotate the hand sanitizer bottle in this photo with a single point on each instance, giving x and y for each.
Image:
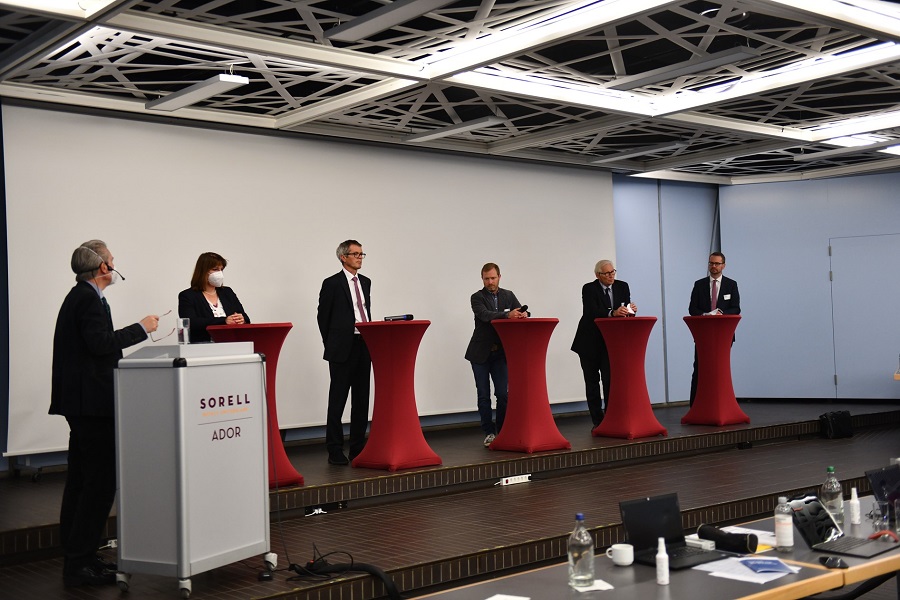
(853, 505)
(662, 564)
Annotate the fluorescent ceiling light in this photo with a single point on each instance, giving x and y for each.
(83, 9)
(383, 18)
(197, 92)
(639, 152)
(454, 129)
(694, 65)
(863, 139)
(563, 92)
(858, 125)
(844, 151)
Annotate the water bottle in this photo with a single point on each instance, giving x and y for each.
(662, 563)
(784, 526)
(581, 555)
(833, 496)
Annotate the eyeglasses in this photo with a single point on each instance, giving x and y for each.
(356, 254)
(715, 264)
(165, 336)
(608, 273)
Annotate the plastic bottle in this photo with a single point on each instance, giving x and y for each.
(833, 496)
(662, 563)
(581, 555)
(784, 526)
(853, 508)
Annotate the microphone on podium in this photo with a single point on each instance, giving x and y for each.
(399, 318)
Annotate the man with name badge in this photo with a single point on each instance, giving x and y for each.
(711, 296)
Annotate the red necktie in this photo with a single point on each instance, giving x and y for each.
(714, 296)
(359, 302)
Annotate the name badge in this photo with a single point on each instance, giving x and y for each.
(726, 297)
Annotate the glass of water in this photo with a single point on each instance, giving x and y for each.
(183, 325)
(881, 515)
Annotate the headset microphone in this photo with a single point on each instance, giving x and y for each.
(122, 277)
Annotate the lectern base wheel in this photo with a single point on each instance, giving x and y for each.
(123, 580)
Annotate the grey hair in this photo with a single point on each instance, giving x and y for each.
(87, 258)
(344, 248)
(599, 266)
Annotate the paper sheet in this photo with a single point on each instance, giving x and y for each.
(599, 586)
(731, 568)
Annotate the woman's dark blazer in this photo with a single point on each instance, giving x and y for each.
(193, 305)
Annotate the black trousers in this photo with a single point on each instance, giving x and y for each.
(349, 377)
(596, 372)
(90, 488)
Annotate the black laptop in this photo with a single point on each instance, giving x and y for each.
(886, 486)
(819, 529)
(648, 519)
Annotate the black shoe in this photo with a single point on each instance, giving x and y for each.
(89, 576)
(102, 564)
(337, 458)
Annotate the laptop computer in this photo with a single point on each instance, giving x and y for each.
(820, 531)
(648, 519)
(886, 486)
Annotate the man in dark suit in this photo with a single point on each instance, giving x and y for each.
(713, 295)
(343, 301)
(86, 349)
(604, 297)
(485, 351)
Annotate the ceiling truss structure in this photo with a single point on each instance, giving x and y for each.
(632, 86)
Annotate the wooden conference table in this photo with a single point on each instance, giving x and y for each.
(638, 582)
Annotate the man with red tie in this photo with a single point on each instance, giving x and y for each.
(713, 295)
(344, 301)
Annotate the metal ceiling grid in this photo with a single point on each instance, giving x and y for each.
(547, 68)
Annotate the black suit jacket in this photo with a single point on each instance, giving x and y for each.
(588, 340)
(336, 317)
(193, 305)
(485, 336)
(85, 352)
(700, 300)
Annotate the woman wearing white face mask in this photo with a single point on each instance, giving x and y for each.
(209, 302)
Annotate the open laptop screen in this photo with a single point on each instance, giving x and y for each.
(650, 518)
(813, 521)
(886, 485)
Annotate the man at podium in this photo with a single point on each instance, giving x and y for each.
(713, 295)
(485, 351)
(604, 297)
(86, 349)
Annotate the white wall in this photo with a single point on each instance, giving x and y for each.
(779, 234)
(276, 208)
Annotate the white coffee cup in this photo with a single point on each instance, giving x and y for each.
(621, 554)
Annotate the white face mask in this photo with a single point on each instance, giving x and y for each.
(216, 278)
(114, 277)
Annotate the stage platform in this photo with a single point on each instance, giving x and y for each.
(448, 525)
